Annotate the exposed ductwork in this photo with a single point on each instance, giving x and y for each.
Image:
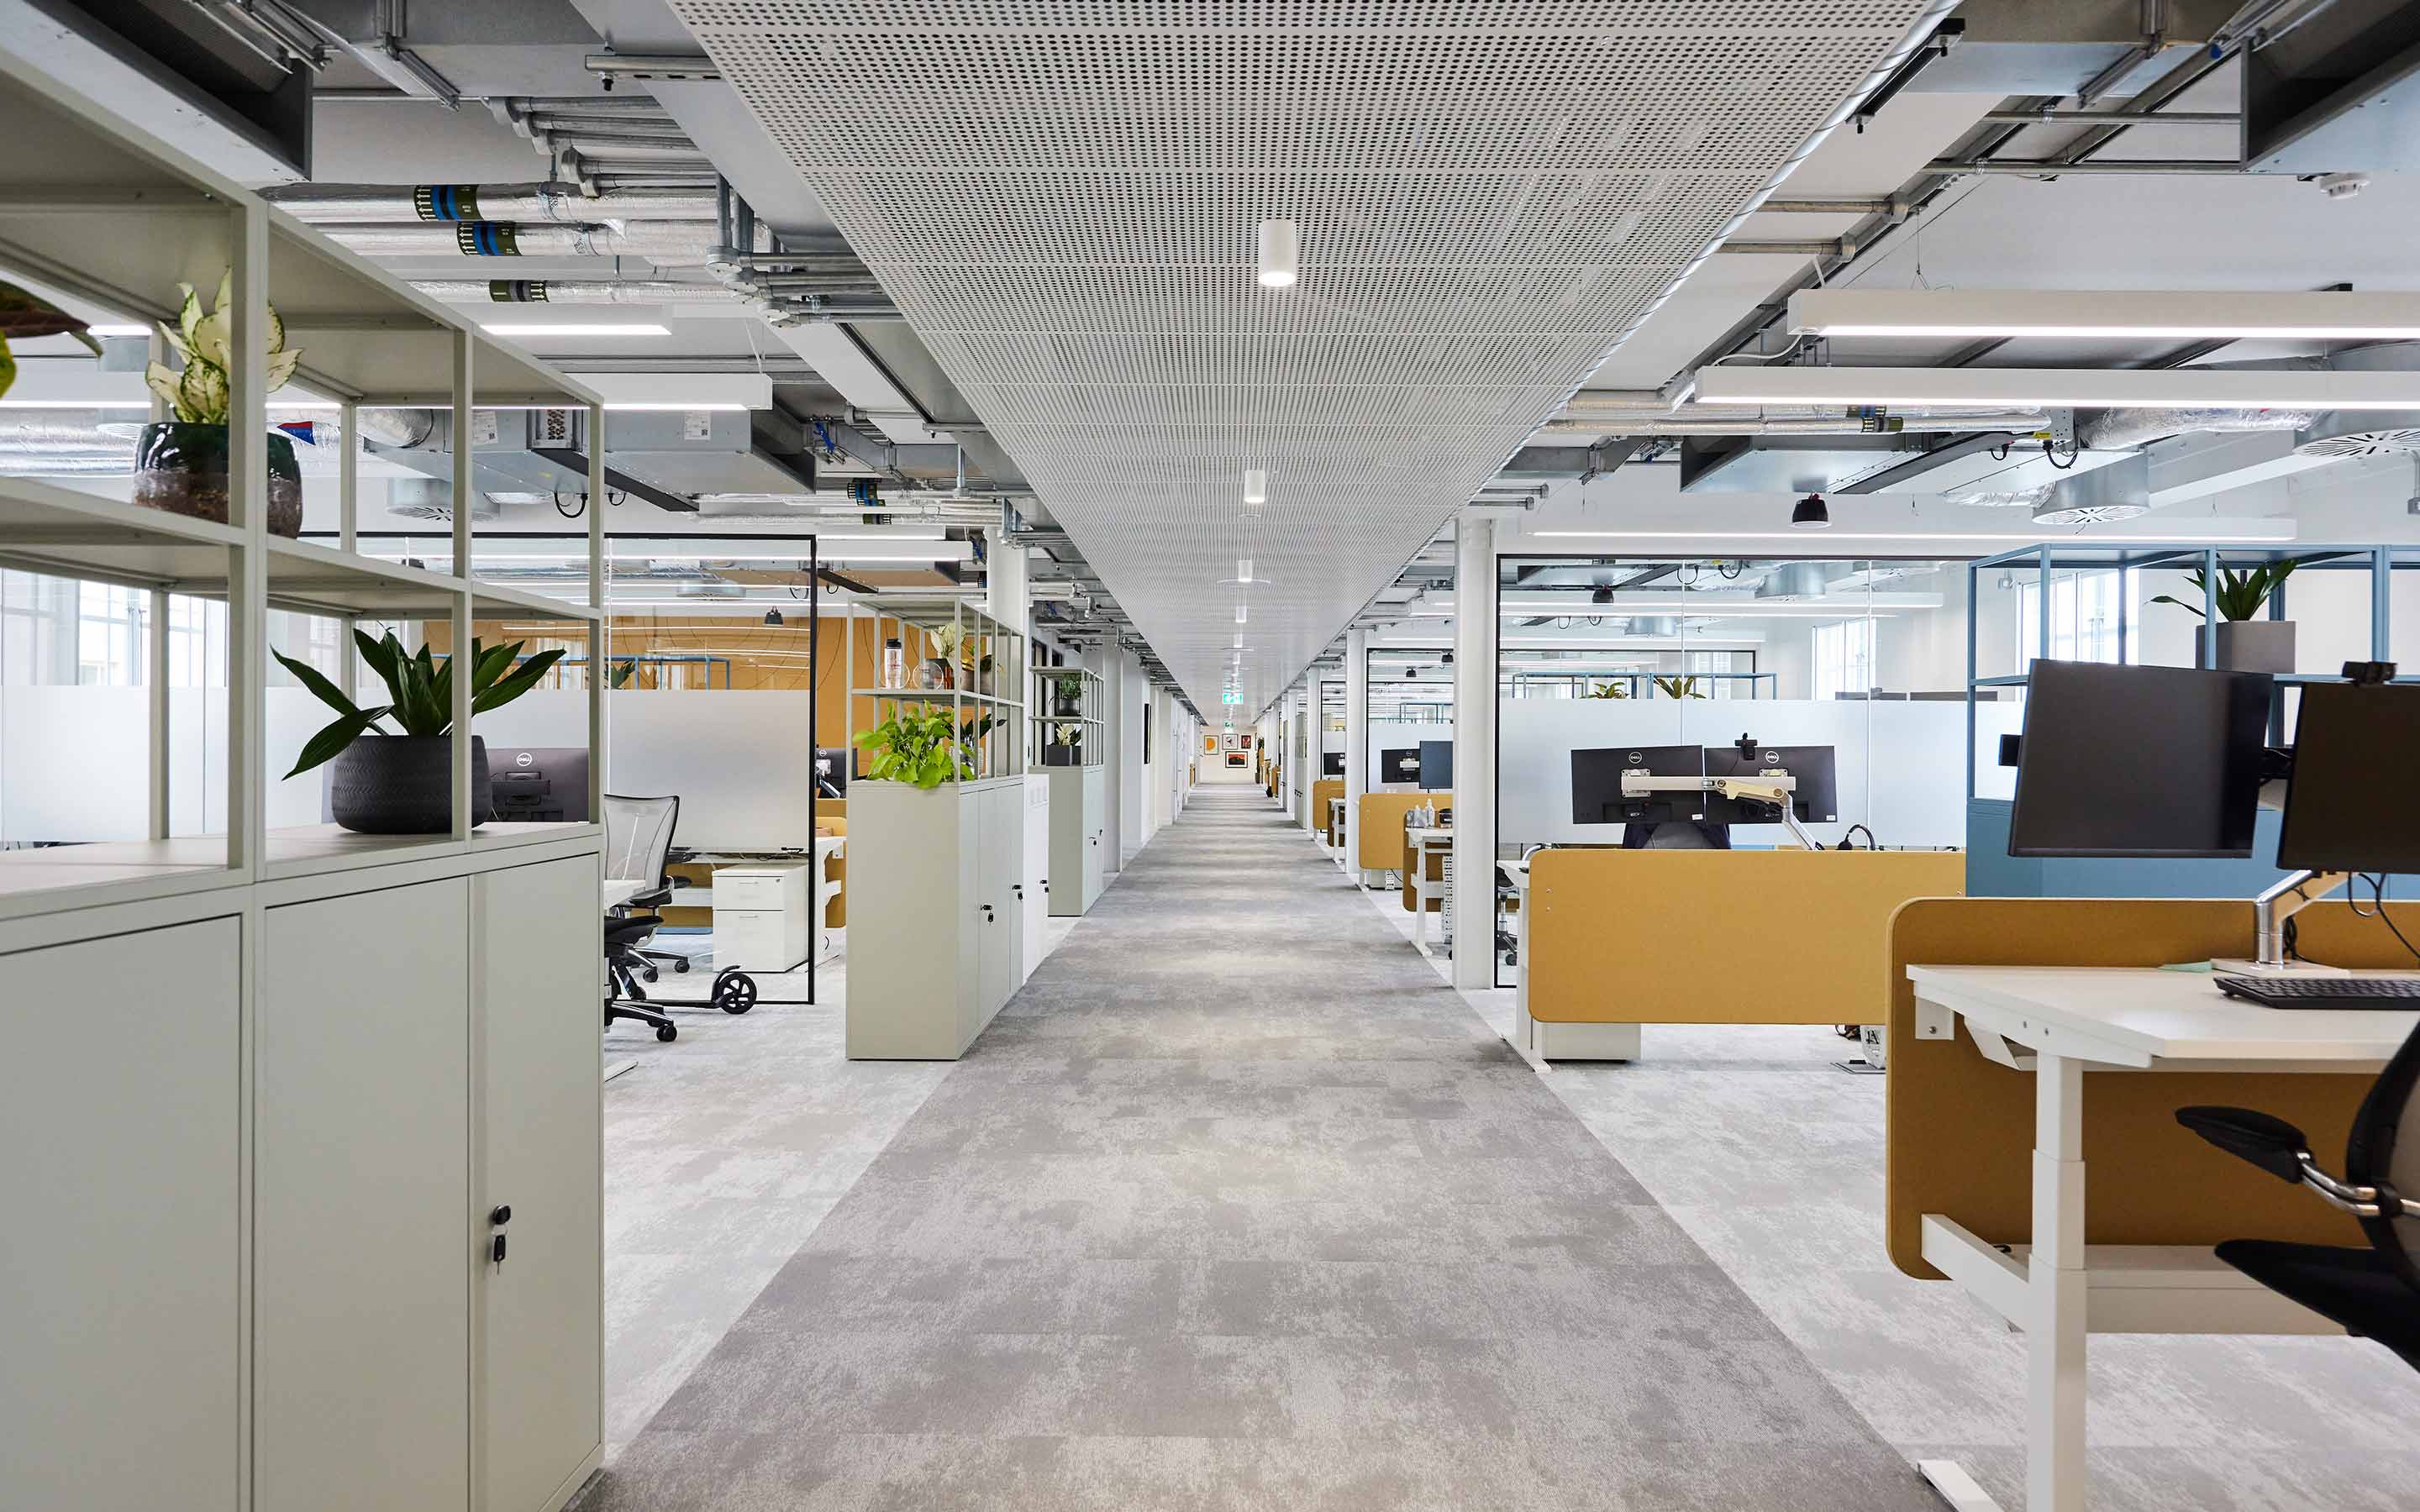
(574, 291)
(556, 203)
(1710, 419)
(665, 243)
(2118, 429)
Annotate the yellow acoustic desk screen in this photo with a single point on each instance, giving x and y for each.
(1321, 791)
(1962, 1128)
(1381, 842)
(1720, 936)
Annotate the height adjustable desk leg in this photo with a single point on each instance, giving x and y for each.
(2055, 1339)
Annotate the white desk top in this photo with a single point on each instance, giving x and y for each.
(1423, 834)
(622, 889)
(2163, 1015)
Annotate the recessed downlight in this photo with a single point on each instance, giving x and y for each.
(1239, 613)
(1256, 486)
(1281, 253)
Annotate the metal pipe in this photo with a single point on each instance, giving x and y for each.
(1791, 426)
(680, 241)
(2041, 169)
(2108, 117)
(559, 204)
(1827, 247)
(1832, 207)
(572, 291)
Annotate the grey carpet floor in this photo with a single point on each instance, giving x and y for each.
(1235, 1206)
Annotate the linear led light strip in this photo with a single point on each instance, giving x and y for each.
(331, 405)
(2113, 313)
(2088, 387)
(2284, 532)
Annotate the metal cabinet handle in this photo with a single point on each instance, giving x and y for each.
(987, 913)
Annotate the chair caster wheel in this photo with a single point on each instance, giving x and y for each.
(680, 968)
(668, 1034)
(735, 991)
(646, 973)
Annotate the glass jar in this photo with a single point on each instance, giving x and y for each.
(895, 663)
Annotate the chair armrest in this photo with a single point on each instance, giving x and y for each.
(653, 898)
(2271, 1143)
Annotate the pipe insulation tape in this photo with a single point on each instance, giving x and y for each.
(517, 290)
(447, 202)
(488, 238)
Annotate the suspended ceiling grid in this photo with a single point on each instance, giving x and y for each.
(1063, 198)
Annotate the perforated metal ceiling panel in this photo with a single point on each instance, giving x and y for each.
(1064, 197)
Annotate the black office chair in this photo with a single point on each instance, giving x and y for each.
(638, 837)
(2373, 1292)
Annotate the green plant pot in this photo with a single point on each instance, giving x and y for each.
(404, 785)
(182, 468)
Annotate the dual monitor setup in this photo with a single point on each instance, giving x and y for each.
(1654, 791)
(2171, 763)
(549, 784)
(1429, 765)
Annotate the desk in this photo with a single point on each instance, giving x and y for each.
(1334, 834)
(2056, 1022)
(620, 890)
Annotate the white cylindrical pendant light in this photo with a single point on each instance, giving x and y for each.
(1240, 614)
(1281, 253)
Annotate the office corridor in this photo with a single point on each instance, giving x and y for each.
(1236, 1207)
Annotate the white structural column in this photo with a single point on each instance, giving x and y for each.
(1110, 662)
(1357, 742)
(1474, 752)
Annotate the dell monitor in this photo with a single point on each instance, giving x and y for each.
(831, 771)
(1816, 799)
(1437, 764)
(2345, 807)
(1331, 763)
(2138, 761)
(1597, 797)
(538, 785)
(1399, 764)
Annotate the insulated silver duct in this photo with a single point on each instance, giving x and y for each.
(2118, 430)
(560, 204)
(658, 241)
(573, 291)
(1691, 422)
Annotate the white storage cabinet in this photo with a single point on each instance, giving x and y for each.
(760, 916)
(936, 885)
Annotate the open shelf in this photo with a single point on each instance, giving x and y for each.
(308, 850)
(934, 695)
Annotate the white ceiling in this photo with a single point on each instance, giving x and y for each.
(1064, 197)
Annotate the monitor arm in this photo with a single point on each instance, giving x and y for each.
(2289, 896)
(1770, 787)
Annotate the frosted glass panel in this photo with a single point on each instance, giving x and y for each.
(1909, 794)
(742, 762)
(198, 759)
(1385, 737)
(75, 763)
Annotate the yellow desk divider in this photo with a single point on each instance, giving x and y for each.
(1961, 1129)
(1720, 936)
(1321, 790)
(1381, 846)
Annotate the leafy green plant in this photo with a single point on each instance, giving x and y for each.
(420, 690)
(1679, 687)
(199, 393)
(618, 675)
(919, 749)
(1612, 690)
(26, 315)
(2241, 594)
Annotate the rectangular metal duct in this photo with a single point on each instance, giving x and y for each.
(2336, 93)
(667, 457)
(1788, 464)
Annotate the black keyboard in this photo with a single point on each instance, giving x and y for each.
(2325, 992)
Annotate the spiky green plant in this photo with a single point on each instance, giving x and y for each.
(200, 394)
(1679, 687)
(922, 749)
(420, 690)
(2241, 594)
(25, 314)
(1612, 690)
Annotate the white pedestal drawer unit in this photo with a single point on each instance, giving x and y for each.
(936, 940)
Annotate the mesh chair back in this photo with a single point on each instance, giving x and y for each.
(2384, 1150)
(638, 836)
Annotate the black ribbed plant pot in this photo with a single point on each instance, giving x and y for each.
(403, 784)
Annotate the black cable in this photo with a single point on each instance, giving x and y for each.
(2051, 456)
(1872, 843)
(571, 514)
(2000, 453)
(2377, 881)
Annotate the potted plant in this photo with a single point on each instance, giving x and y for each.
(24, 316)
(180, 465)
(1066, 694)
(920, 749)
(403, 784)
(1679, 687)
(939, 669)
(1612, 690)
(2242, 641)
(1066, 747)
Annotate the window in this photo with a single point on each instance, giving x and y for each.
(2086, 613)
(1844, 658)
(1722, 661)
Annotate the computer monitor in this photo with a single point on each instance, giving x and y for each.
(539, 784)
(1437, 764)
(831, 771)
(2138, 761)
(1399, 764)
(2344, 810)
(1597, 797)
(1816, 799)
(1331, 763)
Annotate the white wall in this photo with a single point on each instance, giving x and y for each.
(1133, 808)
